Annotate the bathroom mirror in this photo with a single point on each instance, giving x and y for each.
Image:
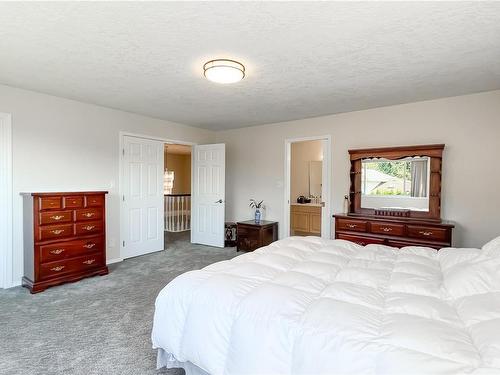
(315, 178)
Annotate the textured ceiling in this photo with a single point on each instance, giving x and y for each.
(302, 59)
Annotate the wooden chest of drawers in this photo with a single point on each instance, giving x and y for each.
(389, 231)
(64, 238)
(251, 236)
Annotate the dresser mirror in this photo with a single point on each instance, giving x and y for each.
(397, 181)
(395, 184)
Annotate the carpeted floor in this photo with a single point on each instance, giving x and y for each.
(100, 325)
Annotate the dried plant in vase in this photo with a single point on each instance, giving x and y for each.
(258, 206)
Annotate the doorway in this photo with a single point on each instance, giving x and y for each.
(307, 187)
(177, 194)
(144, 182)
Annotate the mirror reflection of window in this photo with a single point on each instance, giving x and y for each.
(400, 183)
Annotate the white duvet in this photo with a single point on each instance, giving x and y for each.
(304, 305)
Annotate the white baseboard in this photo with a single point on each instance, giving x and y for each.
(116, 260)
(13, 284)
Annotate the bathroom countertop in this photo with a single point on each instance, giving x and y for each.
(306, 204)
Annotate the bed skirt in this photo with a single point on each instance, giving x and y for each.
(166, 359)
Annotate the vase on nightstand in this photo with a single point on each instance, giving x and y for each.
(258, 216)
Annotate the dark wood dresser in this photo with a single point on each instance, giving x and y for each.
(397, 221)
(397, 232)
(251, 236)
(64, 238)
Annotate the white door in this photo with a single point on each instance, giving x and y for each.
(142, 200)
(209, 167)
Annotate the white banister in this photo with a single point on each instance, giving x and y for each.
(177, 212)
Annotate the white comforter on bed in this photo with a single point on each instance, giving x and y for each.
(307, 305)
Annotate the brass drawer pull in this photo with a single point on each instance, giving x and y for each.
(425, 233)
(386, 229)
(89, 245)
(56, 251)
(351, 225)
(89, 262)
(57, 269)
(57, 231)
(57, 217)
(89, 227)
(88, 214)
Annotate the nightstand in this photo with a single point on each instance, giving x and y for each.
(251, 236)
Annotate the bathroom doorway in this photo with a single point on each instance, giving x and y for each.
(307, 187)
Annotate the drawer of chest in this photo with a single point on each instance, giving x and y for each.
(69, 249)
(52, 232)
(67, 266)
(351, 225)
(55, 269)
(89, 261)
(427, 233)
(94, 200)
(49, 203)
(247, 231)
(89, 227)
(391, 229)
(73, 201)
(88, 214)
(360, 240)
(54, 217)
(401, 244)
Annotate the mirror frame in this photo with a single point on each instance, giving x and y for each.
(434, 152)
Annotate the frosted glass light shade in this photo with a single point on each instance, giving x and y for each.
(224, 71)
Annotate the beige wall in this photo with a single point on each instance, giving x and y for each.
(65, 145)
(301, 154)
(469, 126)
(181, 165)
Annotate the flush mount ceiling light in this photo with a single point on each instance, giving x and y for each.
(224, 71)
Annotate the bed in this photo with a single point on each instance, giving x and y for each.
(305, 305)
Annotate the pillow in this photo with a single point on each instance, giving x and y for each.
(492, 248)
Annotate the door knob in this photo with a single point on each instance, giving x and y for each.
(219, 201)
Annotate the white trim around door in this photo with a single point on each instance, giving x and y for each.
(6, 201)
(326, 183)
